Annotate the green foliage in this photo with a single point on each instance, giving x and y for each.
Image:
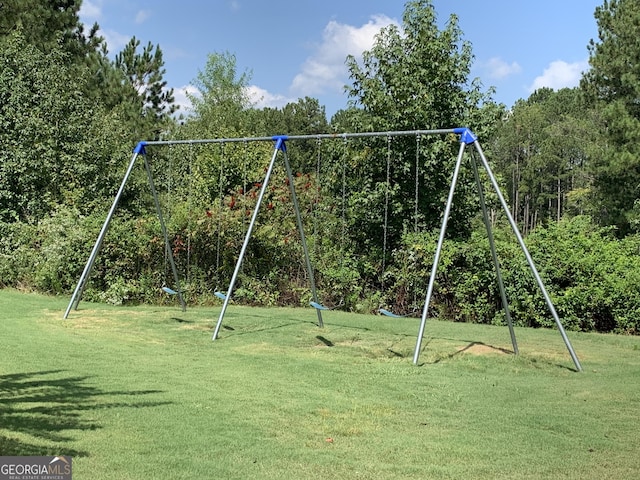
(617, 171)
(544, 152)
(413, 79)
(220, 108)
(47, 256)
(57, 147)
(144, 74)
(44, 122)
(613, 84)
(37, 97)
(591, 276)
(304, 117)
(371, 207)
(615, 59)
(416, 77)
(51, 25)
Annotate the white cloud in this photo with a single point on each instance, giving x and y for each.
(175, 53)
(115, 41)
(262, 98)
(90, 10)
(497, 68)
(325, 69)
(560, 74)
(258, 96)
(141, 16)
(182, 100)
(235, 5)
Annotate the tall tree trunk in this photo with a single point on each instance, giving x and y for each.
(559, 200)
(525, 223)
(516, 190)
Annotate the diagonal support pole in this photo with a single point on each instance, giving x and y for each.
(163, 227)
(532, 266)
(494, 256)
(86, 273)
(247, 237)
(436, 258)
(296, 207)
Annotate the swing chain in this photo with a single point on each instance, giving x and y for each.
(417, 190)
(220, 210)
(385, 225)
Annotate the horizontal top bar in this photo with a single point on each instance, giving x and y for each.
(319, 136)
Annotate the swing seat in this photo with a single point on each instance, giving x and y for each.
(387, 313)
(170, 291)
(318, 306)
(220, 295)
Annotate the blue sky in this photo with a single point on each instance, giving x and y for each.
(297, 48)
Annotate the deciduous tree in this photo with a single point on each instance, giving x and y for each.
(416, 76)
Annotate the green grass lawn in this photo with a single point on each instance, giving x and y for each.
(143, 392)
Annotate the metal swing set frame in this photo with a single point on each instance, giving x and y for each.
(466, 137)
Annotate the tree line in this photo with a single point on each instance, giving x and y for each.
(567, 161)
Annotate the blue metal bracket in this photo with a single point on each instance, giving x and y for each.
(140, 148)
(466, 136)
(280, 139)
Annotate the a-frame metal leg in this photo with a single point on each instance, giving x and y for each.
(532, 266)
(296, 207)
(494, 256)
(436, 259)
(163, 227)
(280, 146)
(247, 237)
(84, 278)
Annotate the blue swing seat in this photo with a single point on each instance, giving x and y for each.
(220, 295)
(318, 306)
(170, 291)
(390, 314)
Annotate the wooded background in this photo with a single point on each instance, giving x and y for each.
(568, 162)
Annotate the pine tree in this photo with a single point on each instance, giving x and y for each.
(613, 84)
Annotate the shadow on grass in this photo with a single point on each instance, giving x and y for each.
(324, 340)
(489, 349)
(180, 320)
(348, 327)
(470, 344)
(47, 407)
(251, 331)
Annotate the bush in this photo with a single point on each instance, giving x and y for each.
(592, 278)
(48, 256)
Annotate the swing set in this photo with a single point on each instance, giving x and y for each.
(466, 138)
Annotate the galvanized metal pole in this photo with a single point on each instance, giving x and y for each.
(532, 266)
(77, 293)
(296, 207)
(436, 258)
(247, 237)
(163, 227)
(318, 136)
(494, 256)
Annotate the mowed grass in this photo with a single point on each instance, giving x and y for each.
(143, 392)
